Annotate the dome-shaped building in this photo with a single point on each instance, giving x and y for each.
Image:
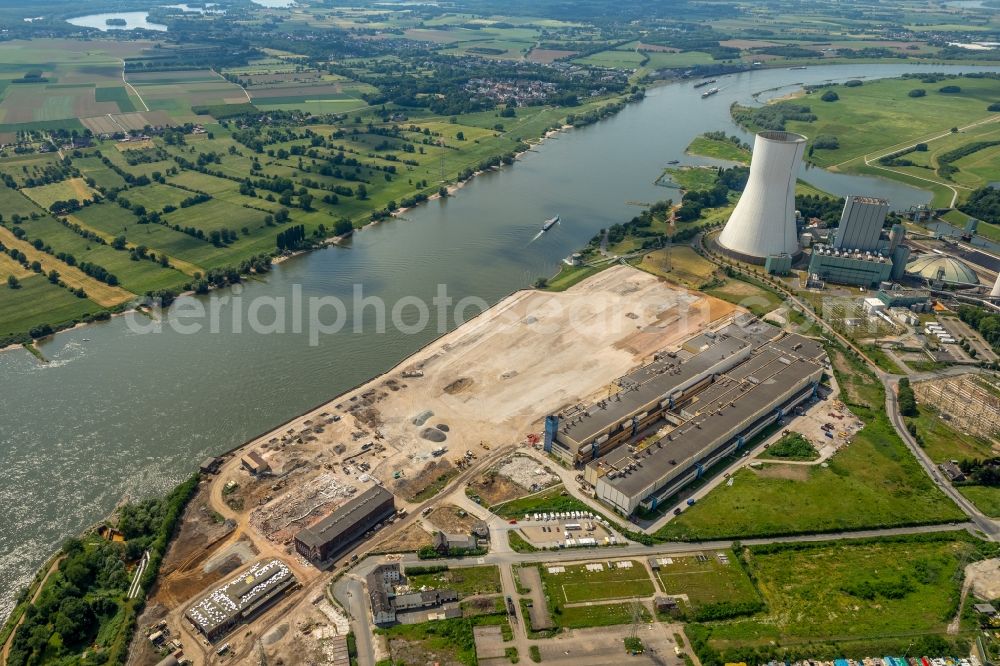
(939, 267)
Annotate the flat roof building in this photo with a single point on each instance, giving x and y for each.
(726, 410)
(580, 434)
(645, 395)
(345, 525)
(240, 598)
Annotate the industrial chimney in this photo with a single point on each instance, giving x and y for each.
(763, 222)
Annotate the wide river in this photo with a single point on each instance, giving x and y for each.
(120, 413)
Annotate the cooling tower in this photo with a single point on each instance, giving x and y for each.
(763, 223)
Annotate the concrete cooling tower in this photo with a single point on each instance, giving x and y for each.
(763, 223)
(995, 291)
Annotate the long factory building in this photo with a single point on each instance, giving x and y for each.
(676, 416)
(346, 524)
(241, 598)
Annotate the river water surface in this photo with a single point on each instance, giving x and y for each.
(119, 413)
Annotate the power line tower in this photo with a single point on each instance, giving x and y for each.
(636, 619)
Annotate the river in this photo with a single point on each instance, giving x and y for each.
(120, 413)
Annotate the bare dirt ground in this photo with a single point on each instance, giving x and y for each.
(450, 518)
(408, 540)
(490, 382)
(985, 578)
(182, 573)
(512, 477)
(787, 472)
(603, 645)
(495, 489)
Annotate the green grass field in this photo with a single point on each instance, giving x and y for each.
(577, 584)
(467, 581)
(135, 276)
(598, 615)
(614, 59)
(759, 301)
(46, 195)
(693, 178)
(706, 582)
(827, 598)
(12, 202)
(880, 115)
(679, 264)
(39, 302)
(942, 442)
(720, 150)
(986, 499)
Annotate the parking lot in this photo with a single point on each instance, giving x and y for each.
(576, 529)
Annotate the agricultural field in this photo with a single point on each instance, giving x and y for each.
(176, 92)
(52, 83)
(100, 292)
(614, 59)
(71, 188)
(39, 302)
(850, 596)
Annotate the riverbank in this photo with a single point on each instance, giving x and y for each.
(187, 396)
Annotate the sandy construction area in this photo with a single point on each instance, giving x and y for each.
(494, 379)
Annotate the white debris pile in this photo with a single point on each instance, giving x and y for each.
(336, 617)
(300, 505)
(527, 473)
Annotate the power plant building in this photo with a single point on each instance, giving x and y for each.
(241, 598)
(763, 223)
(861, 223)
(858, 255)
(348, 523)
(850, 266)
(709, 424)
